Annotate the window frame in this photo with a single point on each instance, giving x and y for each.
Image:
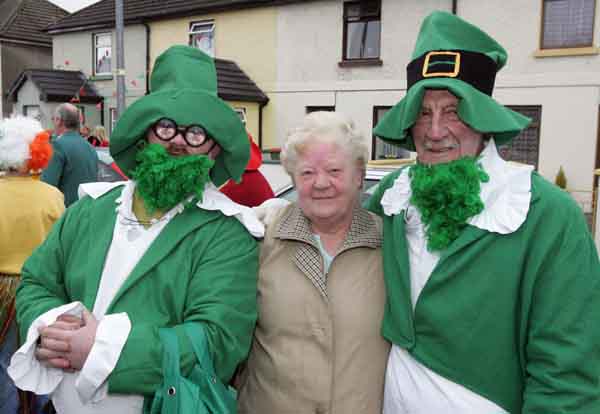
(191, 33)
(241, 111)
(95, 47)
(112, 118)
(27, 108)
(536, 123)
(361, 61)
(564, 49)
(374, 137)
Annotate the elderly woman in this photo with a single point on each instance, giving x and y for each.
(317, 346)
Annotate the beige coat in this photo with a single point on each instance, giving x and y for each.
(317, 346)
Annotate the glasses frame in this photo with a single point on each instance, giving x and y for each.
(180, 130)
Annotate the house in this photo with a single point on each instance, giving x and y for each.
(23, 44)
(38, 92)
(351, 56)
(85, 41)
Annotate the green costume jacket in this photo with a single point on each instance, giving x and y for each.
(202, 267)
(514, 318)
(74, 161)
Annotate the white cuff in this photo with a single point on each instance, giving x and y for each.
(111, 336)
(25, 369)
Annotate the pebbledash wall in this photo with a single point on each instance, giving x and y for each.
(309, 47)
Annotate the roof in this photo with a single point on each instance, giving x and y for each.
(234, 85)
(26, 20)
(57, 85)
(102, 14)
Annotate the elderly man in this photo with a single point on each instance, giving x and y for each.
(493, 281)
(74, 161)
(164, 250)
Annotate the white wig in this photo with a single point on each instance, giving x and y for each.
(16, 133)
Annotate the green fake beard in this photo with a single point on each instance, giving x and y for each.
(446, 195)
(163, 181)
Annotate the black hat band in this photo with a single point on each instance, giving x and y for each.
(474, 68)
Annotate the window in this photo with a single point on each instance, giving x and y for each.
(381, 150)
(567, 23)
(362, 30)
(525, 147)
(242, 114)
(310, 109)
(202, 36)
(102, 54)
(112, 114)
(32, 111)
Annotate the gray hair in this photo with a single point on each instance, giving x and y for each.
(324, 126)
(69, 115)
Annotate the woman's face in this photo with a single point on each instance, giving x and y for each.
(328, 181)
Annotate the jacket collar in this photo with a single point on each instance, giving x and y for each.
(294, 225)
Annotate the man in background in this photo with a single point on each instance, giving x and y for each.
(74, 161)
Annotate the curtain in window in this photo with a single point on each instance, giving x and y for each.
(568, 23)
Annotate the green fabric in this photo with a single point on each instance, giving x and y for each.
(201, 268)
(445, 31)
(512, 317)
(446, 195)
(163, 181)
(201, 393)
(184, 88)
(73, 162)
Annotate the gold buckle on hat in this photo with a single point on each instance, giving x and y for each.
(448, 74)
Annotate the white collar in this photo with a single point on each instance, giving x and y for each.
(212, 199)
(506, 196)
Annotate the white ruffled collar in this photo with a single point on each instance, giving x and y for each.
(506, 196)
(212, 199)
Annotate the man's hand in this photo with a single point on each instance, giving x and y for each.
(67, 343)
(54, 341)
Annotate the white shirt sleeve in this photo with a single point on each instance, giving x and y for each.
(111, 336)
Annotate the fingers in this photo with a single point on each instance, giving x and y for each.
(55, 345)
(70, 319)
(87, 317)
(51, 357)
(55, 333)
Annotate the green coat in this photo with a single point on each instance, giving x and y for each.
(202, 267)
(514, 318)
(74, 161)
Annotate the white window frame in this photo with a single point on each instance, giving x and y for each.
(112, 117)
(203, 27)
(242, 114)
(96, 47)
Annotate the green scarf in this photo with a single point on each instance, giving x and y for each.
(163, 181)
(446, 195)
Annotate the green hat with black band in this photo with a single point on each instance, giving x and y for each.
(184, 89)
(453, 54)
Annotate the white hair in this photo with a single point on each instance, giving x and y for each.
(16, 133)
(328, 127)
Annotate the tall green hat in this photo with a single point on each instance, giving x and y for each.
(453, 54)
(183, 88)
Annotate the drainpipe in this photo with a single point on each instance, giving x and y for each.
(260, 125)
(454, 6)
(147, 26)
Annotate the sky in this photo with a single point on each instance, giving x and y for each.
(73, 5)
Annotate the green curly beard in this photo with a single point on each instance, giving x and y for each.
(446, 195)
(163, 181)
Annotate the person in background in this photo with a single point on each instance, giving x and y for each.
(162, 250)
(254, 188)
(492, 278)
(28, 209)
(98, 137)
(317, 344)
(74, 161)
(84, 131)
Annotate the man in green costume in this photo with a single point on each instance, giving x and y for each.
(493, 280)
(162, 250)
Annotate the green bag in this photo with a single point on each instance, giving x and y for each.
(200, 393)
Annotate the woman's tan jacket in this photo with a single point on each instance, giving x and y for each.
(317, 345)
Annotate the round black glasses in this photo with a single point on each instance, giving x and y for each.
(166, 129)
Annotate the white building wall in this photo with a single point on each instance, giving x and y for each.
(567, 88)
(75, 51)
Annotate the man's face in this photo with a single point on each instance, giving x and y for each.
(178, 147)
(439, 134)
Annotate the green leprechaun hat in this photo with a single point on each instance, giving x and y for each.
(183, 88)
(452, 54)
